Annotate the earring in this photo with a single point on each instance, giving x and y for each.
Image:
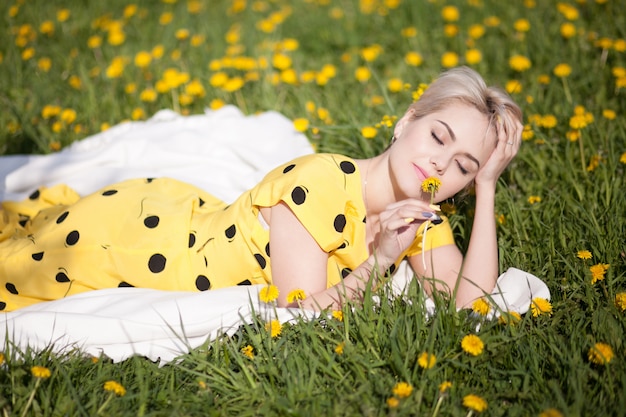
(393, 139)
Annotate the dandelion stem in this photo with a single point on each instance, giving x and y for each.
(102, 407)
(568, 95)
(582, 152)
(438, 406)
(31, 398)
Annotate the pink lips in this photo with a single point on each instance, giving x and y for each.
(421, 174)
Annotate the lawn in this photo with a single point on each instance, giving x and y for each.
(344, 70)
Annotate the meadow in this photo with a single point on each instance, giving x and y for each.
(344, 70)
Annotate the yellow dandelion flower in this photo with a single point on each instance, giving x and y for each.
(233, 84)
(338, 314)
(473, 56)
(362, 74)
(395, 85)
(216, 104)
(57, 126)
(49, 111)
(116, 68)
(44, 64)
(248, 351)
(481, 306)
(450, 30)
(413, 59)
(75, 82)
(445, 386)
(301, 124)
(540, 306)
(594, 162)
(550, 412)
(562, 70)
(143, 59)
(598, 271)
(431, 185)
(182, 34)
(548, 121)
(68, 116)
(600, 354)
(2, 358)
(409, 32)
(47, 28)
(472, 344)
(609, 114)
(296, 295)
(521, 25)
(568, 30)
(116, 37)
(371, 53)
(402, 389)
(274, 327)
(513, 86)
(94, 41)
(449, 59)
(28, 53)
(281, 61)
(476, 31)
(426, 360)
(620, 301)
(519, 63)
(40, 372)
(137, 114)
(622, 158)
(268, 294)
(534, 199)
(450, 13)
(63, 15)
(369, 132)
(475, 403)
(584, 254)
(511, 318)
(393, 402)
(148, 95)
(166, 18)
(115, 387)
(339, 348)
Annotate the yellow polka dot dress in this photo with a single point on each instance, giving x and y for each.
(165, 234)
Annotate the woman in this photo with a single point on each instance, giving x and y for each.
(334, 224)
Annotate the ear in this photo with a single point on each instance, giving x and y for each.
(403, 122)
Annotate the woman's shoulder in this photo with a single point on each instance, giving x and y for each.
(320, 164)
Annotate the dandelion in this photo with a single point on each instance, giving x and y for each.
(116, 68)
(195, 89)
(598, 271)
(75, 82)
(63, 15)
(426, 360)
(137, 114)
(476, 31)
(338, 314)
(449, 60)
(40, 372)
(362, 74)
(450, 13)
(233, 84)
(393, 402)
(395, 85)
(274, 327)
(475, 403)
(371, 53)
(115, 387)
(534, 199)
(550, 412)
(622, 158)
(143, 59)
(402, 389)
(450, 30)
(94, 41)
(369, 132)
(513, 86)
(600, 354)
(431, 185)
(511, 318)
(609, 114)
(248, 351)
(216, 104)
(445, 386)
(521, 25)
(296, 295)
(584, 254)
(540, 306)
(148, 95)
(268, 293)
(562, 70)
(68, 116)
(519, 63)
(339, 348)
(28, 53)
(567, 30)
(472, 344)
(594, 163)
(473, 56)
(481, 306)
(44, 64)
(620, 301)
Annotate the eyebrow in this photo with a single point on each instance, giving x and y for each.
(453, 137)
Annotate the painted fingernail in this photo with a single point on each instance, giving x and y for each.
(427, 214)
(409, 219)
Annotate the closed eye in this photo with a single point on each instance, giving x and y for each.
(461, 168)
(434, 136)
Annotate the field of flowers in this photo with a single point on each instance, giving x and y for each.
(344, 70)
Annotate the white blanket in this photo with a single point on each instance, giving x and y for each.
(223, 152)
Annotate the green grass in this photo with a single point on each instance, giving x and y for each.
(539, 364)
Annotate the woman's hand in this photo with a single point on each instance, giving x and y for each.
(507, 145)
(398, 225)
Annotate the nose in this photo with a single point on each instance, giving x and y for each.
(440, 162)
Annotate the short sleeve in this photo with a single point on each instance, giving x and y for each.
(436, 236)
(322, 190)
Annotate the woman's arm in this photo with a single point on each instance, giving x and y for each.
(299, 263)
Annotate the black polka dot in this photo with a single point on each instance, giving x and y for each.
(109, 192)
(391, 270)
(192, 240)
(267, 249)
(125, 284)
(298, 195)
(347, 167)
(339, 223)
(364, 219)
(345, 272)
(261, 260)
(62, 277)
(34, 196)
(203, 283)
(343, 245)
(72, 237)
(62, 217)
(37, 256)
(157, 263)
(288, 168)
(11, 288)
(151, 222)
(23, 222)
(245, 282)
(206, 262)
(201, 202)
(3, 305)
(149, 180)
(231, 231)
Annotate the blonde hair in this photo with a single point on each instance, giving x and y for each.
(463, 84)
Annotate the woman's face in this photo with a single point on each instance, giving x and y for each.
(451, 144)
